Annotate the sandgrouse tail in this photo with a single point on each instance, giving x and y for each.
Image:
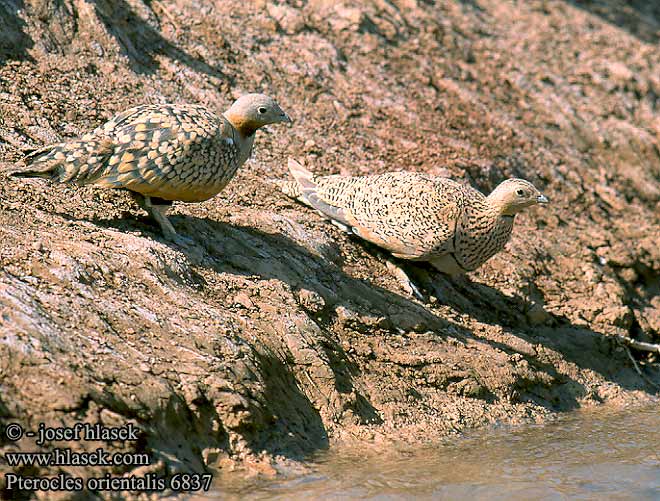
(160, 153)
(418, 217)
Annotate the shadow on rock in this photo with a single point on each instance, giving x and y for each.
(290, 415)
(640, 18)
(141, 39)
(14, 41)
(361, 306)
(532, 324)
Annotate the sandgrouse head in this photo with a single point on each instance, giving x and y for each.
(513, 195)
(252, 111)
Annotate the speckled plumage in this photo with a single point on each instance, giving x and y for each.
(418, 217)
(162, 151)
(173, 152)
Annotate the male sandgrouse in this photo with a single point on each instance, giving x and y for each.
(160, 152)
(418, 217)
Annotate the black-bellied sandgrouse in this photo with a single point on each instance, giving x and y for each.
(418, 217)
(160, 152)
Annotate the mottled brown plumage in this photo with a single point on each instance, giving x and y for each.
(419, 217)
(160, 152)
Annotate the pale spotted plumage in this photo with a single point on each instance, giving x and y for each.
(160, 152)
(419, 217)
(173, 152)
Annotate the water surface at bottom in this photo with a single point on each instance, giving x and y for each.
(587, 455)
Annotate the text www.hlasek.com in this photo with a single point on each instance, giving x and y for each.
(66, 457)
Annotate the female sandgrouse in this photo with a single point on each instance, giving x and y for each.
(160, 152)
(419, 217)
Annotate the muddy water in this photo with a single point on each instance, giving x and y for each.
(588, 455)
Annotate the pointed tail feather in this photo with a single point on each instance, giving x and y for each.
(303, 180)
(75, 161)
(304, 177)
(31, 174)
(305, 188)
(38, 163)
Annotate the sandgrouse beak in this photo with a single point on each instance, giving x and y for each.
(542, 199)
(285, 118)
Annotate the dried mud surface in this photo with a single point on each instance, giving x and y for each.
(276, 335)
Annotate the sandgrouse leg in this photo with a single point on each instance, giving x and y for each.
(157, 213)
(404, 279)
